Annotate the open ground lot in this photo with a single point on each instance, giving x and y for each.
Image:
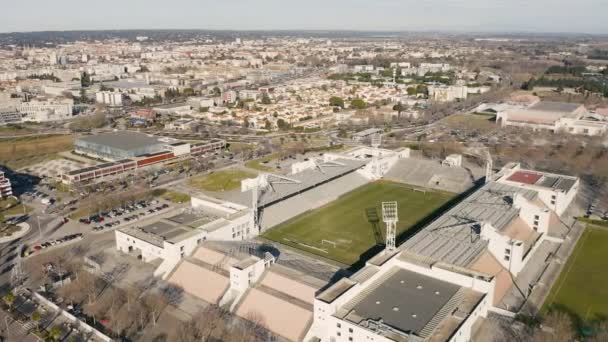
(581, 287)
(353, 222)
(220, 180)
(21, 152)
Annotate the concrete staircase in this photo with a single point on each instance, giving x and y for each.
(446, 310)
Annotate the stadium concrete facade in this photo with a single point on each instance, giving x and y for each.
(434, 287)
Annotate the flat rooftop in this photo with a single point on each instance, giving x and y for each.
(123, 140)
(551, 106)
(454, 237)
(192, 219)
(156, 233)
(302, 181)
(525, 177)
(406, 301)
(545, 180)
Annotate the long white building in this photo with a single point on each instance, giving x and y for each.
(113, 99)
(43, 110)
(554, 117)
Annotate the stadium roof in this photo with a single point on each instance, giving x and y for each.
(404, 302)
(551, 106)
(291, 185)
(123, 140)
(454, 236)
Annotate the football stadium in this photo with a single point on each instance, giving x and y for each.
(346, 228)
(428, 262)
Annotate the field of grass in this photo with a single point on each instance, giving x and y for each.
(257, 164)
(10, 206)
(581, 288)
(21, 152)
(220, 180)
(354, 221)
(176, 197)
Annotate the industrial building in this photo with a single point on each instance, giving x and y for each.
(133, 144)
(118, 145)
(553, 117)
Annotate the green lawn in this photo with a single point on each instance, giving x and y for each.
(10, 207)
(176, 197)
(221, 180)
(25, 151)
(582, 287)
(258, 164)
(354, 221)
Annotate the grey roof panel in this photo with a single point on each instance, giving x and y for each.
(406, 301)
(123, 140)
(551, 106)
(454, 236)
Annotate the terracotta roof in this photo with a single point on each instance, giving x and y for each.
(525, 177)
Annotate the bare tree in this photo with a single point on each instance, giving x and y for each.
(556, 327)
(155, 304)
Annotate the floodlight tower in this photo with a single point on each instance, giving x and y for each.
(488, 167)
(254, 205)
(376, 143)
(390, 217)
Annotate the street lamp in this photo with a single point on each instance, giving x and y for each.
(39, 230)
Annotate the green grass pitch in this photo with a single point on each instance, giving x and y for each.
(354, 221)
(581, 288)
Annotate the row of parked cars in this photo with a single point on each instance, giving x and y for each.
(133, 217)
(59, 241)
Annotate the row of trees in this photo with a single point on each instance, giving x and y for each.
(356, 103)
(590, 85)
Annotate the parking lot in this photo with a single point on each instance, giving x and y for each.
(126, 214)
(55, 168)
(64, 231)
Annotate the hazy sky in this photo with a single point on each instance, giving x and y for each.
(417, 15)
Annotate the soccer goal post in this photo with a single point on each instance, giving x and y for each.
(329, 242)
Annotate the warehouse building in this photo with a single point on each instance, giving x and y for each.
(118, 145)
(554, 117)
(170, 152)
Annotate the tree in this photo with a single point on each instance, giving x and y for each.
(55, 333)
(336, 101)
(358, 103)
(85, 79)
(283, 125)
(267, 125)
(266, 99)
(155, 304)
(560, 329)
(36, 317)
(399, 107)
(9, 299)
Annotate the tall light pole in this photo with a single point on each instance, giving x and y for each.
(39, 230)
